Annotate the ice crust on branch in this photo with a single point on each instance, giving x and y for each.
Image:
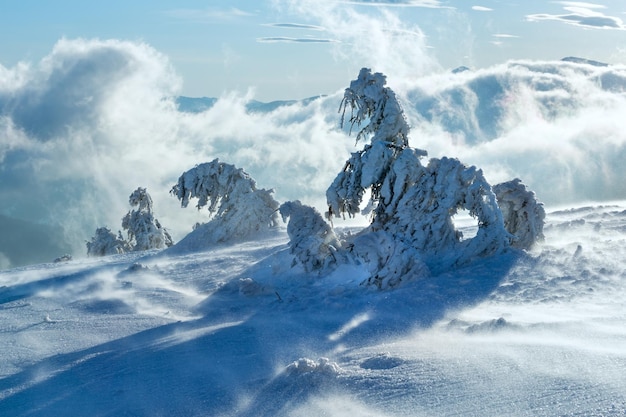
(238, 208)
(523, 214)
(311, 240)
(143, 229)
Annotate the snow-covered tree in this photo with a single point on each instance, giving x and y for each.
(237, 207)
(144, 230)
(106, 243)
(312, 241)
(412, 205)
(377, 106)
(523, 214)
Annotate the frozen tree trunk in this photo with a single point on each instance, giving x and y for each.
(523, 214)
(311, 240)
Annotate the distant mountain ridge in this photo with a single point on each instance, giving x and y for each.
(578, 60)
(201, 104)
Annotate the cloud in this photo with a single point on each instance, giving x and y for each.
(434, 4)
(294, 26)
(379, 38)
(556, 125)
(206, 15)
(581, 4)
(285, 39)
(504, 35)
(94, 120)
(583, 15)
(481, 9)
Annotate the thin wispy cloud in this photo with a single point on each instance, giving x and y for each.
(583, 15)
(581, 4)
(205, 15)
(482, 9)
(504, 35)
(294, 26)
(285, 39)
(432, 4)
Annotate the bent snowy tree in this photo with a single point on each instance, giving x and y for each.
(412, 204)
(238, 209)
(143, 229)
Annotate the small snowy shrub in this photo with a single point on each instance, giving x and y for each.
(312, 241)
(106, 243)
(144, 231)
(238, 208)
(307, 366)
(523, 214)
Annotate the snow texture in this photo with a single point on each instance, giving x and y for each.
(239, 210)
(523, 214)
(230, 333)
(311, 240)
(144, 230)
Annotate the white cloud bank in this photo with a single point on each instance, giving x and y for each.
(94, 120)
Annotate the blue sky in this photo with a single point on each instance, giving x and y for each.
(296, 49)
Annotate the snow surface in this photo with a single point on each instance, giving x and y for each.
(237, 331)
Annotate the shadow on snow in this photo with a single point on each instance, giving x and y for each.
(231, 361)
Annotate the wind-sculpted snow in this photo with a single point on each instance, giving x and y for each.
(423, 215)
(144, 232)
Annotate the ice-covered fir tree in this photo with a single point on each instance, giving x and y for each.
(143, 229)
